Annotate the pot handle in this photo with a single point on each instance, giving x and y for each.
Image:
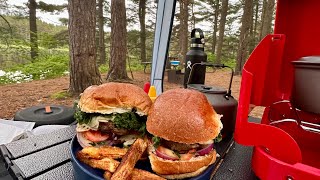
(214, 66)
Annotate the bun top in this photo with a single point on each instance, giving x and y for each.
(114, 97)
(184, 116)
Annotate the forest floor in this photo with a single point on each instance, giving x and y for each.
(14, 97)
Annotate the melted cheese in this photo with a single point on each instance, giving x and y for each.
(94, 123)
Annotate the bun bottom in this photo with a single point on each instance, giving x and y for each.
(181, 169)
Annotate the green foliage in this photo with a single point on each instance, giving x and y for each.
(211, 57)
(48, 65)
(229, 62)
(103, 68)
(50, 7)
(60, 95)
(45, 66)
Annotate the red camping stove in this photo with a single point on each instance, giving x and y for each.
(287, 142)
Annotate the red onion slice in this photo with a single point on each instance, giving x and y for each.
(205, 150)
(83, 141)
(164, 156)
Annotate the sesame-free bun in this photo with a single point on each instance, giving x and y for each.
(114, 97)
(183, 116)
(181, 169)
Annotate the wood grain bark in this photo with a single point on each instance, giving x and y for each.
(223, 19)
(183, 31)
(32, 5)
(102, 47)
(142, 20)
(244, 38)
(118, 50)
(82, 47)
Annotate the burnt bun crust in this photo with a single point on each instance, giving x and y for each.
(183, 169)
(184, 116)
(109, 97)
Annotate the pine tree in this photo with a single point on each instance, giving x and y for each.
(82, 47)
(117, 70)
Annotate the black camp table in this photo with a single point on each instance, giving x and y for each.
(47, 157)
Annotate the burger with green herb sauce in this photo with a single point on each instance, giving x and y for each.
(112, 114)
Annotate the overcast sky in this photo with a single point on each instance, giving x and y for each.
(54, 18)
(47, 17)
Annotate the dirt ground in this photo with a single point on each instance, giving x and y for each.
(14, 97)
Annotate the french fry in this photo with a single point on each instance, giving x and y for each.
(129, 160)
(107, 175)
(102, 158)
(138, 174)
(104, 151)
(106, 163)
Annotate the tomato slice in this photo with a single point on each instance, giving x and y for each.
(95, 136)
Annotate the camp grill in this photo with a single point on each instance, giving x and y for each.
(287, 142)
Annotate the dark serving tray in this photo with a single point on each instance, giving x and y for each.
(83, 171)
(48, 156)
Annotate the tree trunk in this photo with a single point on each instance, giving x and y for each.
(118, 50)
(224, 12)
(32, 5)
(215, 26)
(183, 30)
(244, 38)
(142, 20)
(102, 47)
(267, 18)
(263, 14)
(253, 27)
(257, 4)
(82, 25)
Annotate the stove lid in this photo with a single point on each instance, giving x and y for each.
(309, 60)
(207, 89)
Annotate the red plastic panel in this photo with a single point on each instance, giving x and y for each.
(281, 151)
(270, 168)
(299, 21)
(265, 66)
(279, 143)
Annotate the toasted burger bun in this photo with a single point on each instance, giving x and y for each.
(181, 169)
(184, 116)
(114, 97)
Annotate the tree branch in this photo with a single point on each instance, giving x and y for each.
(11, 34)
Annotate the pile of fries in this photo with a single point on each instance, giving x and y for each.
(106, 158)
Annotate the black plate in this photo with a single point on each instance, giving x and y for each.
(84, 172)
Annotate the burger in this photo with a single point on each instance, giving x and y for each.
(112, 114)
(184, 127)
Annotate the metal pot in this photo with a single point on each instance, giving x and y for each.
(221, 99)
(306, 88)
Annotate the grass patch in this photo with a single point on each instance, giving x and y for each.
(60, 95)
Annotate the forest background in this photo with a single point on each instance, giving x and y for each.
(32, 49)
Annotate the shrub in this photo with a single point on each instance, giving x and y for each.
(48, 65)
